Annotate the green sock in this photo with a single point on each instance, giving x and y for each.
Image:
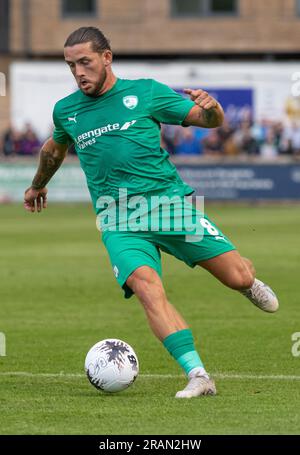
(181, 346)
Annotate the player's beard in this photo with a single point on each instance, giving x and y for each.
(95, 91)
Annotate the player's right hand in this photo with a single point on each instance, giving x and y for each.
(35, 200)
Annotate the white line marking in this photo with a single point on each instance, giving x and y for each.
(279, 377)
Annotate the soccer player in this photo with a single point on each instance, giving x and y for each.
(115, 126)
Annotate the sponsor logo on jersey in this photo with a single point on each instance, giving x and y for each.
(127, 125)
(130, 101)
(89, 138)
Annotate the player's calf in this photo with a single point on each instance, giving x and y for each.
(163, 318)
(239, 274)
(231, 269)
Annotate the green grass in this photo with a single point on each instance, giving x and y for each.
(58, 297)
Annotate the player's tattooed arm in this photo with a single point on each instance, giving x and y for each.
(207, 112)
(51, 158)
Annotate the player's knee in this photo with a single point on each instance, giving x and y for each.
(147, 286)
(142, 277)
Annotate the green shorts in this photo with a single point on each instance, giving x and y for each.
(129, 250)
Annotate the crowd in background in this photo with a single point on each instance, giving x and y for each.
(267, 139)
(19, 143)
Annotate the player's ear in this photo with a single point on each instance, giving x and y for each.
(107, 57)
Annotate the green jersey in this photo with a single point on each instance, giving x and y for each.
(117, 137)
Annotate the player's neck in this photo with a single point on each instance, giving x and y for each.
(109, 83)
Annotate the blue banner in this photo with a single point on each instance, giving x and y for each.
(243, 181)
(236, 102)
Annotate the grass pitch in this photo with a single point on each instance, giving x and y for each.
(58, 297)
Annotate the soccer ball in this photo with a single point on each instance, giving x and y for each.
(111, 365)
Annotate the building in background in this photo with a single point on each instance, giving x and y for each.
(36, 29)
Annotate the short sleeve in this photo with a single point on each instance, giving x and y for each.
(59, 134)
(167, 106)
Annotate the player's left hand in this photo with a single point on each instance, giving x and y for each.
(202, 98)
(35, 200)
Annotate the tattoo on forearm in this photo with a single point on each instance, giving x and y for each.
(210, 117)
(49, 163)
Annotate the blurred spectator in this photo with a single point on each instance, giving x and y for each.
(213, 145)
(187, 143)
(226, 136)
(17, 141)
(278, 129)
(30, 144)
(260, 130)
(169, 135)
(20, 143)
(245, 140)
(269, 149)
(292, 139)
(249, 144)
(225, 131)
(8, 143)
(201, 134)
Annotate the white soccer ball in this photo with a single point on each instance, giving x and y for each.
(111, 365)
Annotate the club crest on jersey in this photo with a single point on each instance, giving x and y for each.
(130, 101)
(116, 271)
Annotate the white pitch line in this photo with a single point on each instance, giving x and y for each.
(279, 377)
